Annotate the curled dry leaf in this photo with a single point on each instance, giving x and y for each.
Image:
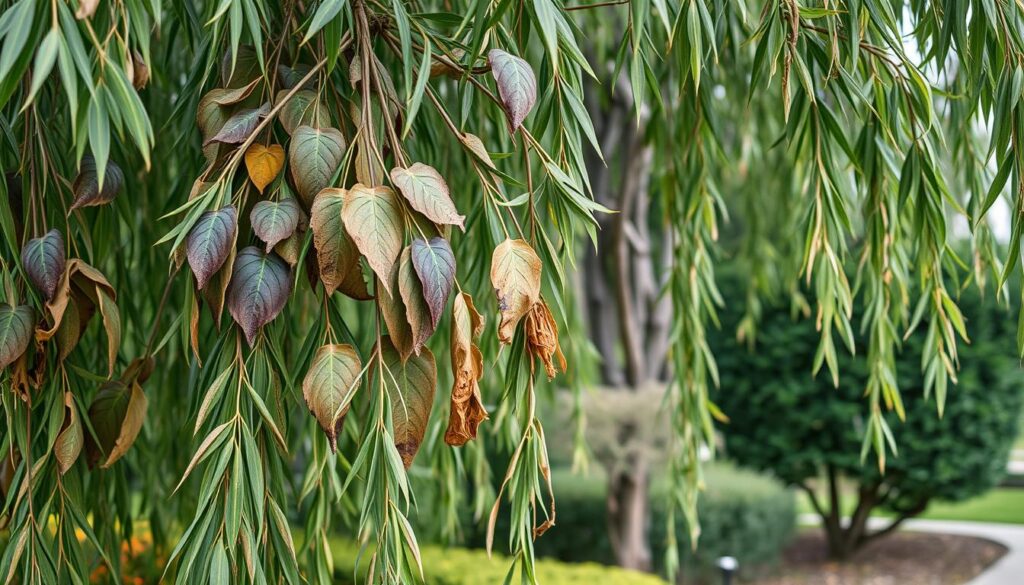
(467, 409)
(373, 218)
(231, 96)
(336, 253)
(434, 262)
(16, 325)
(417, 312)
(515, 275)
(87, 187)
(116, 414)
(43, 260)
(303, 109)
(517, 85)
(264, 163)
(86, 8)
(239, 126)
(210, 242)
(139, 71)
(260, 285)
(314, 155)
(427, 192)
(542, 338)
(410, 385)
(69, 442)
(275, 221)
(330, 384)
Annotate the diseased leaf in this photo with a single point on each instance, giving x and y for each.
(330, 384)
(239, 126)
(69, 442)
(417, 312)
(467, 409)
(274, 222)
(435, 267)
(515, 276)
(210, 242)
(373, 219)
(264, 163)
(411, 385)
(303, 109)
(542, 338)
(336, 253)
(260, 285)
(87, 188)
(16, 325)
(116, 415)
(427, 192)
(517, 85)
(231, 96)
(314, 156)
(43, 260)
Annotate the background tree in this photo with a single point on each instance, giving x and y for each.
(806, 432)
(282, 152)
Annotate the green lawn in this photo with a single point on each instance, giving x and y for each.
(1005, 505)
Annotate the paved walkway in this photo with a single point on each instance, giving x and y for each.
(1008, 570)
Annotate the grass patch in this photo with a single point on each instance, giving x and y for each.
(1002, 505)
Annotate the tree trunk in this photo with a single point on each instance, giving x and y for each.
(627, 515)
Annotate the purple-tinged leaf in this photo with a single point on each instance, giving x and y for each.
(240, 126)
(43, 260)
(87, 187)
(517, 85)
(435, 266)
(259, 288)
(274, 222)
(210, 241)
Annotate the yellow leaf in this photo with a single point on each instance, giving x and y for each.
(264, 163)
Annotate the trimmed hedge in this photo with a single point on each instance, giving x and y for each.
(458, 566)
(742, 514)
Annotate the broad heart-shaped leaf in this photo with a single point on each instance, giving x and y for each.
(373, 219)
(517, 85)
(417, 312)
(259, 288)
(217, 285)
(274, 222)
(210, 241)
(43, 259)
(427, 192)
(435, 266)
(69, 442)
(240, 125)
(314, 156)
(87, 188)
(304, 109)
(330, 384)
(264, 163)
(411, 385)
(116, 414)
(336, 253)
(515, 275)
(16, 325)
(289, 77)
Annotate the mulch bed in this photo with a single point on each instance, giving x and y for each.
(905, 558)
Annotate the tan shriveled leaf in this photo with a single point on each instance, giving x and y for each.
(427, 192)
(373, 219)
(515, 276)
(411, 385)
(336, 253)
(417, 311)
(264, 163)
(467, 409)
(68, 445)
(542, 338)
(330, 384)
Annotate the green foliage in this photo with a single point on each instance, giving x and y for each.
(795, 426)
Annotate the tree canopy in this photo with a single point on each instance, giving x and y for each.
(349, 207)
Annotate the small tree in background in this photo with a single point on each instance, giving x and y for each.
(809, 433)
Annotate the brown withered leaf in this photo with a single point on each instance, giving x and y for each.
(392, 308)
(43, 260)
(16, 325)
(264, 163)
(86, 187)
(542, 338)
(330, 384)
(515, 276)
(112, 324)
(69, 442)
(434, 262)
(417, 311)
(86, 8)
(427, 192)
(210, 242)
(467, 409)
(231, 96)
(336, 253)
(84, 289)
(354, 285)
(410, 385)
(275, 221)
(259, 289)
(517, 85)
(116, 414)
(139, 71)
(373, 218)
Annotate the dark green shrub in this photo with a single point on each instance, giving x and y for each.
(799, 427)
